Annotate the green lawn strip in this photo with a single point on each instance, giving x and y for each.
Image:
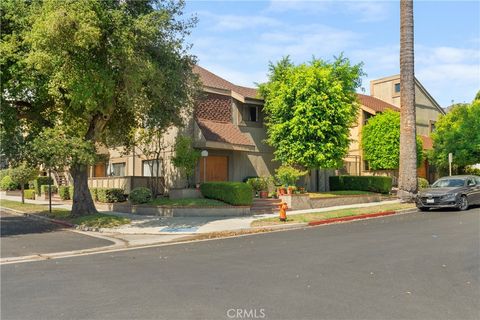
(193, 202)
(99, 220)
(307, 217)
(332, 194)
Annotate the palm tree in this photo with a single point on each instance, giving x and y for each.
(407, 183)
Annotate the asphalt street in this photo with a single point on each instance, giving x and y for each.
(22, 236)
(411, 266)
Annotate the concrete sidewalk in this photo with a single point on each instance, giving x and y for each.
(176, 226)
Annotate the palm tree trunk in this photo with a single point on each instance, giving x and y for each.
(407, 184)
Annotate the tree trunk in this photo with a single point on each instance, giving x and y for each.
(22, 186)
(82, 199)
(407, 183)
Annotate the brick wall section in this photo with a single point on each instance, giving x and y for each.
(214, 107)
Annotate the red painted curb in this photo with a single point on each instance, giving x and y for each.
(349, 218)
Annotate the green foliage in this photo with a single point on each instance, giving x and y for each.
(258, 184)
(29, 194)
(140, 195)
(39, 181)
(44, 188)
(457, 132)
(110, 195)
(309, 111)
(63, 192)
(94, 193)
(234, 193)
(3, 173)
(362, 183)
(23, 174)
(70, 192)
(472, 170)
(186, 157)
(95, 71)
(7, 184)
(288, 176)
(381, 141)
(422, 183)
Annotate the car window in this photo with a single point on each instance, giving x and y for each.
(478, 180)
(471, 182)
(449, 183)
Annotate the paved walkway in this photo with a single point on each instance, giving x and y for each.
(157, 225)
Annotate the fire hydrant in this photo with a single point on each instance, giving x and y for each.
(283, 211)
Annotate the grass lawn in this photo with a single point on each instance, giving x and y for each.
(307, 217)
(193, 202)
(331, 194)
(99, 220)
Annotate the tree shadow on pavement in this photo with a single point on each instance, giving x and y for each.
(12, 225)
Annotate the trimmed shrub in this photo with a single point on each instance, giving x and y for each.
(361, 183)
(258, 184)
(63, 192)
(140, 195)
(40, 181)
(7, 184)
(94, 193)
(44, 189)
(234, 193)
(422, 183)
(110, 195)
(70, 192)
(29, 194)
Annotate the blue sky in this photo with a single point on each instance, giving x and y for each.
(237, 39)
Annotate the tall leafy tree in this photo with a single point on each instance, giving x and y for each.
(458, 132)
(96, 69)
(381, 141)
(309, 111)
(407, 182)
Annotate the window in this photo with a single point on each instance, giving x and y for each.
(366, 116)
(253, 113)
(150, 166)
(397, 87)
(432, 126)
(116, 169)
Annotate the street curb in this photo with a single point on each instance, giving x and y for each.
(37, 217)
(362, 216)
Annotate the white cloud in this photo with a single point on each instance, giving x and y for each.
(229, 22)
(364, 11)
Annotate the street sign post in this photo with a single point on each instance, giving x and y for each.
(450, 160)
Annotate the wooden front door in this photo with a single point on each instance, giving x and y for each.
(217, 168)
(99, 170)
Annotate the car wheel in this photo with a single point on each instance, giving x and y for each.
(463, 203)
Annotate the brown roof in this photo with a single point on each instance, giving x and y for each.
(223, 132)
(427, 142)
(212, 80)
(375, 104)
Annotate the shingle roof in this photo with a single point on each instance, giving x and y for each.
(375, 104)
(427, 142)
(223, 132)
(212, 80)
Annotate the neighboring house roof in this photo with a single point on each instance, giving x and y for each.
(375, 104)
(427, 142)
(213, 81)
(223, 132)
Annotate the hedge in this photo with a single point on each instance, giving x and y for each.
(63, 192)
(29, 194)
(109, 195)
(7, 184)
(44, 189)
(140, 195)
(38, 182)
(70, 192)
(94, 193)
(361, 183)
(234, 193)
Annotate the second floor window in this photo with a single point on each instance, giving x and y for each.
(116, 169)
(397, 87)
(253, 113)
